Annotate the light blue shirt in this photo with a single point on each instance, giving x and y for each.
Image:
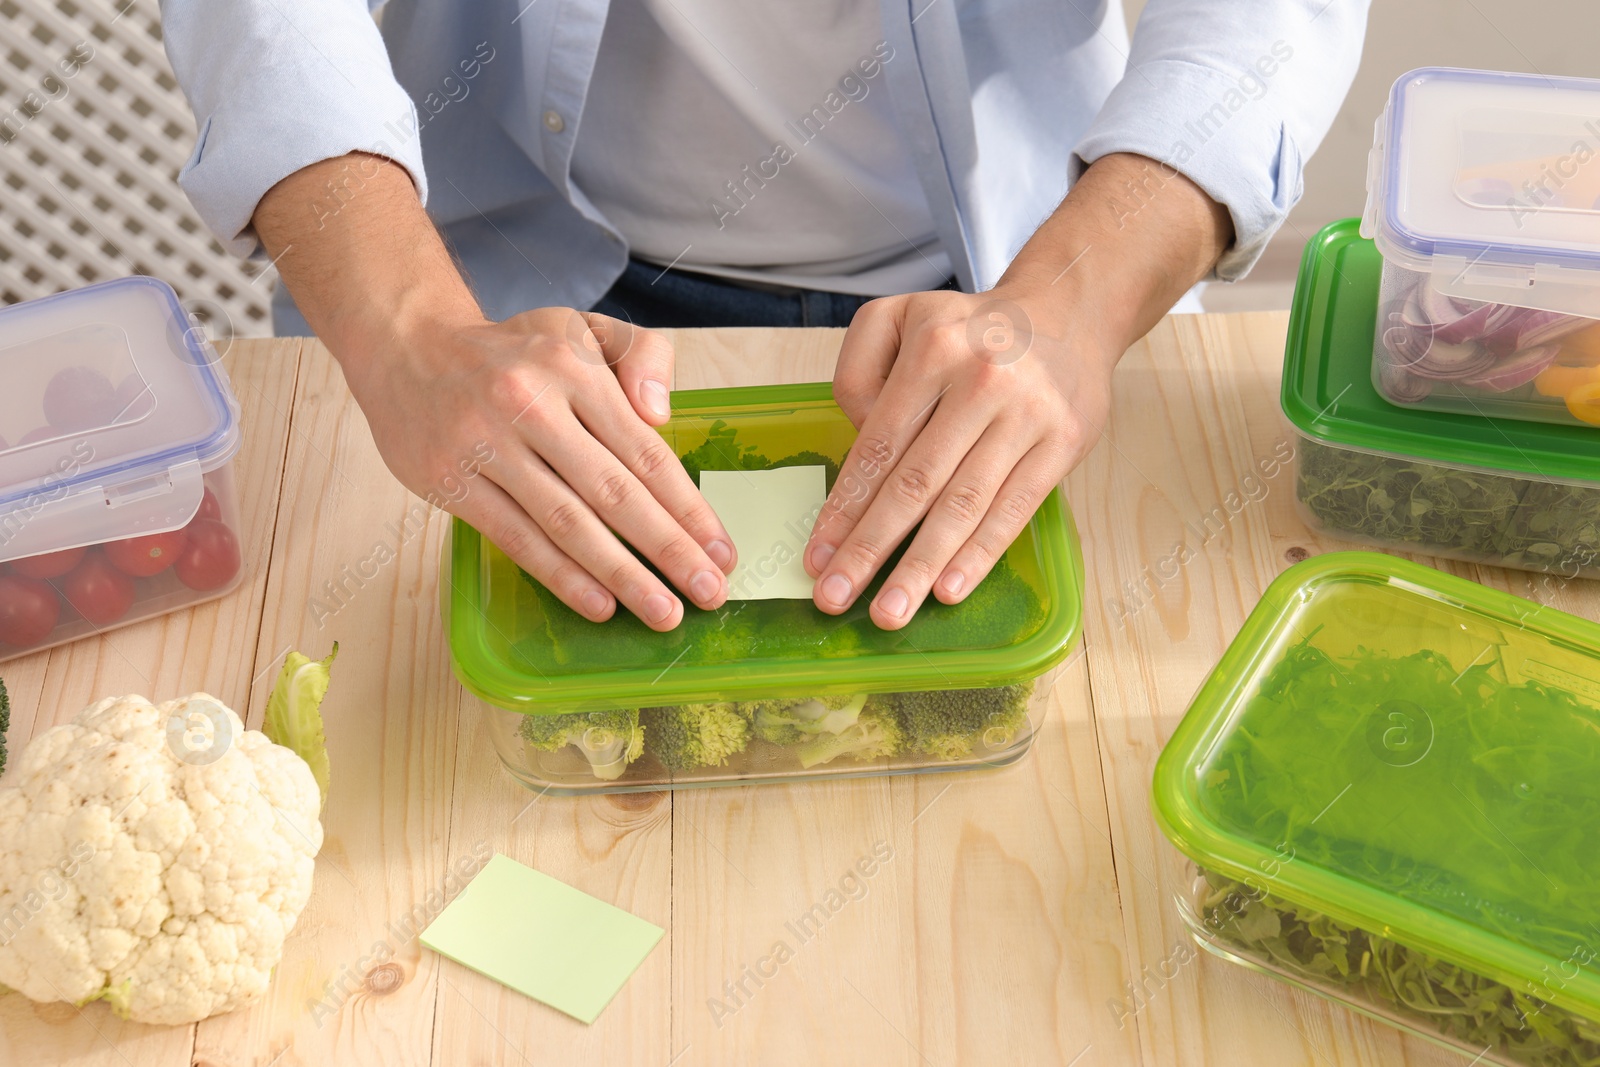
(1003, 103)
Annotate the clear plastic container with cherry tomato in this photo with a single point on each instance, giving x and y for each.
(117, 433)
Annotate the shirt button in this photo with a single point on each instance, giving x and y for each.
(553, 122)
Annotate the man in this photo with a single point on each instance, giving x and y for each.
(764, 164)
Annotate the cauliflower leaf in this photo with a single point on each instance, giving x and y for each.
(293, 716)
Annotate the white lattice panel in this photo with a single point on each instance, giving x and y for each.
(89, 164)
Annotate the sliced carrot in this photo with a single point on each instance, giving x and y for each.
(1557, 380)
(1584, 403)
(1582, 347)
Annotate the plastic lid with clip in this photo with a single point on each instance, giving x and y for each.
(1412, 754)
(517, 647)
(114, 407)
(1328, 393)
(1490, 182)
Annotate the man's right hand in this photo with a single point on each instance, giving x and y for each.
(564, 400)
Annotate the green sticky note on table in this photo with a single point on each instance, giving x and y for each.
(769, 515)
(542, 938)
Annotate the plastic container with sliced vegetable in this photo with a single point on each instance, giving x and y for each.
(1387, 789)
(1483, 194)
(761, 689)
(117, 431)
(1506, 492)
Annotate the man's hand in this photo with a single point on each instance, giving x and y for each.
(972, 408)
(560, 402)
(548, 391)
(969, 413)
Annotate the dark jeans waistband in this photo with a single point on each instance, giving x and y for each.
(656, 297)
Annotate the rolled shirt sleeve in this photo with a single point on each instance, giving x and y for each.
(1235, 97)
(275, 86)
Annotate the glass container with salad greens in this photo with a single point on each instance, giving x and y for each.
(761, 690)
(1483, 194)
(117, 435)
(1387, 789)
(1506, 492)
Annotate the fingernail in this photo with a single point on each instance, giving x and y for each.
(894, 602)
(704, 586)
(595, 603)
(721, 554)
(836, 589)
(820, 556)
(655, 397)
(657, 607)
(953, 582)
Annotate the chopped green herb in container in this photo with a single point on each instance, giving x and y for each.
(761, 690)
(1389, 790)
(1506, 492)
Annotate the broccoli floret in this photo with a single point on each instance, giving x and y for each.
(948, 723)
(725, 636)
(785, 722)
(1001, 610)
(684, 736)
(809, 458)
(875, 734)
(839, 642)
(609, 740)
(722, 451)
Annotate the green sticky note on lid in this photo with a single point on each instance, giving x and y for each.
(769, 515)
(542, 938)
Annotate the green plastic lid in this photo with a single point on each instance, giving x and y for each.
(1409, 753)
(516, 646)
(1329, 396)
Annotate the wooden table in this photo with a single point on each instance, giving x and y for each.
(1018, 905)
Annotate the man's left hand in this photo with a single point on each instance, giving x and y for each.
(970, 410)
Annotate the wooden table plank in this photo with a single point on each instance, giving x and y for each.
(210, 647)
(354, 560)
(617, 848)
(996, 883)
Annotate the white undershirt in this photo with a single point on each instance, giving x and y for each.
(788, 103)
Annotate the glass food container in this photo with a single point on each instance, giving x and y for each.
(1501, 491)
(117, 431)
(1388, 790)
(761, 690)
(1483, 194)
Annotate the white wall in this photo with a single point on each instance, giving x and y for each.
(1541, 36)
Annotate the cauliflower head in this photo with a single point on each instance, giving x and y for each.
(164, 886)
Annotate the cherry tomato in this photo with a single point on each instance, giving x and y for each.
(101, 593)
(3, 443)
(80, 398)
(29, 609)
(134, 399)
(49, 564)
(38, 433)
(210, 507)
(211, 557)
(146, 554)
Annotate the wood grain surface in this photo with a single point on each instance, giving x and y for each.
(1014, 917)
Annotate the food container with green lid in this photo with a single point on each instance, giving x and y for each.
(1483, 194)
(1389, 791)
(1507, 492)
(761, 690)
